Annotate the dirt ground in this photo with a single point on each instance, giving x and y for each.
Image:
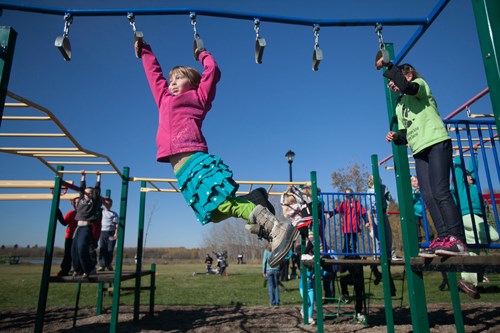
(478, 317)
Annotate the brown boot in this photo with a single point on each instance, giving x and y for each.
(281, 234)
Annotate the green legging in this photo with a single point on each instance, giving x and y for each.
(233, 207)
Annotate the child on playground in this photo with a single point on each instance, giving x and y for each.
(421, 127)
(70, 223)
(475, 224)
(205, 181)
(309, 292)
(83, 251)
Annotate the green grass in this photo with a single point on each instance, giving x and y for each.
(176, 285)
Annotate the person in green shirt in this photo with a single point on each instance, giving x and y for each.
(422, 129)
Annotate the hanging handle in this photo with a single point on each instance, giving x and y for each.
(260, 43)
(382, 52)
(317, 53)
(198, 45)
(138, 35)
(62, 42)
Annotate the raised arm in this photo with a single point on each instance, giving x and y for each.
(154, 74)
(97, 187)
(83, 183)
(211, 75)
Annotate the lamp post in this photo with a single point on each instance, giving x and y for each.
(289, 156)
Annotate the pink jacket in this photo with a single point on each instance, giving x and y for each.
(180, 117)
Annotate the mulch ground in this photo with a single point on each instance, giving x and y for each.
(478, 317)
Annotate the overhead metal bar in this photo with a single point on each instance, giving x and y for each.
(216, 13)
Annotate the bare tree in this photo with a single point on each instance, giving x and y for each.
(150, 219)
(353, 176)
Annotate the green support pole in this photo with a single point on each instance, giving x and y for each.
(7, 45)
(100, 289)
(49, 253)
(152, 290)
(487, 14)
(389, 317)
(77, 302)
(455, 300)
(138, 265)
(416, 290)
(318, 287)
(119, 252)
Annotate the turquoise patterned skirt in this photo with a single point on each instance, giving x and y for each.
(205, 182)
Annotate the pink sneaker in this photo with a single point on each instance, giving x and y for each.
(451, 246)
(430, 252)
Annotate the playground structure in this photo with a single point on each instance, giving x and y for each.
(413, 265)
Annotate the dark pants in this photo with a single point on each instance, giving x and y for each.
(377, 273)
(284, 270)
(350, 242)
(83, 250)
(329, 284)
(356, 279)
(433, 166)
(106, 247)
(66, 262)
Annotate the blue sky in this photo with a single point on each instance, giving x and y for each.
(329, 118)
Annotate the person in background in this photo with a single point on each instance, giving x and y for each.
(70, 223)
(472, 216)
(373, 225)
(208, 261)
(109, 235)
(87, 213)
(352, 212)
(271, 274)
(355, 277)
(309, 292)
(417, 206)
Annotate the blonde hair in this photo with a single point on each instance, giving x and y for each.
(289, 200)
(192, 74)
(371, 181)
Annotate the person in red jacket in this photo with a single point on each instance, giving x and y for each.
(70, 223)
(352, 211)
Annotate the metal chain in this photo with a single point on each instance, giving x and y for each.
(378, 30)
(316, 36)
(68, 19)
(256, 27)
(131, 20)
(192, 16)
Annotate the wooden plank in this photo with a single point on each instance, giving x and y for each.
(35, 196)
(29, 183)
(478, 264)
